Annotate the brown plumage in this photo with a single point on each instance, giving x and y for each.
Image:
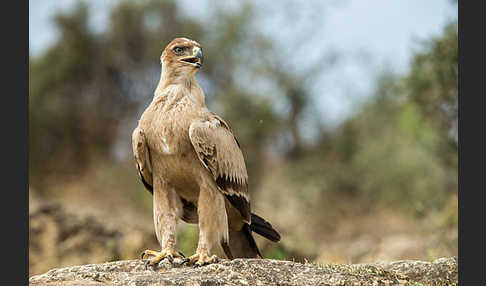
(188, 157)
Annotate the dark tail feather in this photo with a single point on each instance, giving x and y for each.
(247, 232)
(263, 228)
(226, 249)
(241, 244)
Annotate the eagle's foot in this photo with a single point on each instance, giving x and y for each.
(201, 259)
(168, 253)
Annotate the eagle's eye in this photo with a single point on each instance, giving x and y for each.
(178, 50)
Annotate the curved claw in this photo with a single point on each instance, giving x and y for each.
(168, 254)
(185, 261)
(199, 260)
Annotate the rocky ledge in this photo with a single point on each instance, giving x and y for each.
(442, 271)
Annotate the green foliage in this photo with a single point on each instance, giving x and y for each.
(396, 164)
(58, 120)
(433, 80)
(398, 149)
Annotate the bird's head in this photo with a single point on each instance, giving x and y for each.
(182, 57)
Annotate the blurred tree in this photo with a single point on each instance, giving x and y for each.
(433, 85)
(433, 80)
(397, 149)
(64, 114)
(294, 88)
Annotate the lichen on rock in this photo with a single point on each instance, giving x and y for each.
(255, 272)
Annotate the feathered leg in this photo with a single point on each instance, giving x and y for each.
(213, 225)
(167, 211)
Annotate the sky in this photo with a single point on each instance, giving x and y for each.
(375, 34)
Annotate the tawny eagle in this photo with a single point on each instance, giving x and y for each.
(189, 159)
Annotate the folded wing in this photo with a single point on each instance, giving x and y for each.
(142, 158)
(219, 152)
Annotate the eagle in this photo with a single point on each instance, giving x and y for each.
(189, 159)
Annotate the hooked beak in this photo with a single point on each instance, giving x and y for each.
(196, 59)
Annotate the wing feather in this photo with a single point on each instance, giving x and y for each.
(219, 152)
(142, 158)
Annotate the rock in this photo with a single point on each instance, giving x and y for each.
(59, 238)
(255, 272)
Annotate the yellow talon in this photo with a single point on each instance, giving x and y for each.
(201, 259)
(168, 253)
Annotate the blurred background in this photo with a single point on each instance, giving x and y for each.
(346, 112)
